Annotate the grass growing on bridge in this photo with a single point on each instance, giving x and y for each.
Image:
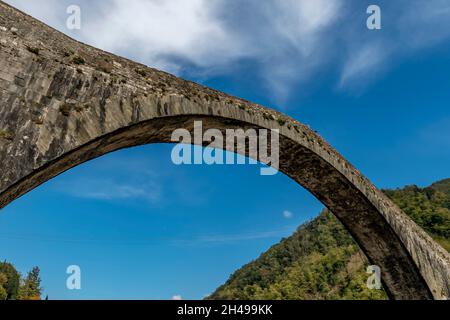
(6, 134)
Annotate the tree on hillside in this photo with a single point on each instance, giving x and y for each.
(3, 281)
(30, 288)
(12, 283)
(322, 261)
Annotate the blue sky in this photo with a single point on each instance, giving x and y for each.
(142, 228)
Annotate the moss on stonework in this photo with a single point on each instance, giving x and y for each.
(65, 109)
(78, 60)
(6, 134)
(38, 120)
(105, 67)
(141, 72)
(34, 50)
(79, 108)
(68, 53)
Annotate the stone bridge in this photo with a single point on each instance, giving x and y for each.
(64, 103)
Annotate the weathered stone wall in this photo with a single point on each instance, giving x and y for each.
(64, 103)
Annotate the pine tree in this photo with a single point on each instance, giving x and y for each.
(31, 286)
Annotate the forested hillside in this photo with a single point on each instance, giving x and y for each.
(14, 287)
(321, 261)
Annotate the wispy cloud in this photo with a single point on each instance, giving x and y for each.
(289, 42)
(288, 214)
(424, 23)
(133, 179)
(196, 240)
(218, 239)
(408, 27)
(110, 190)
(365, 63)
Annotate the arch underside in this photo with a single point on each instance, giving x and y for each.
(371, 231)
(57, 112)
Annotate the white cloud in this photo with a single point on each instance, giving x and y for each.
(109, 190)
(425, 23)
(408, 27)
(46, 10)
(301, 22)
(232, 238)
(133, 179)
(283, 37)
(177, 297)
(160, 32)
(365, 63)
(287, 214)
(289, 42)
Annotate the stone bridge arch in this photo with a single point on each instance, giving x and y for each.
(64, 103)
